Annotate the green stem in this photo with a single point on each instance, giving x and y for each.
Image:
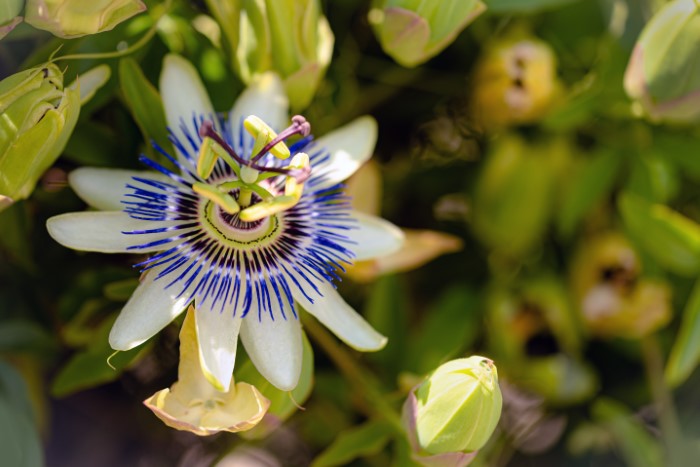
(365, 384)
(668, 418)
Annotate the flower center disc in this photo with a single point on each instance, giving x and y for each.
(237, 233)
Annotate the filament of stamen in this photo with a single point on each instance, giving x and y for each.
(299, 126)
(206, 130)
(223, 199)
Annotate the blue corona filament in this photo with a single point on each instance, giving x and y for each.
(220, 261)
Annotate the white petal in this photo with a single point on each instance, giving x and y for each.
(217, 334)
(275, 347)
(105, 188)
(184, 97)
(149, 310)
(102, 231)
(264, 98)
(372, 237)
(349, 146)
(332, 311)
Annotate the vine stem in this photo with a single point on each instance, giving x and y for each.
(364, 383)
(668, 418)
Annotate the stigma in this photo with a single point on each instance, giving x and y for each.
(258, 191)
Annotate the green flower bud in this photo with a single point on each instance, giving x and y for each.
(455, 410)
(663, 75)
(75, 18)
(412, 31)
(37, 115)
(9, 15)
(289, 37)
(9, 9)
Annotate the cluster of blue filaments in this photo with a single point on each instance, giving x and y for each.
(302, 246)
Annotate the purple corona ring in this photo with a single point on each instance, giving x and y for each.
(249, 229)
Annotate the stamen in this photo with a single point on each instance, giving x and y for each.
(293, 190)
(208, 153)
(206, 130)
(224, 200)
(299, 126)
(263, 135)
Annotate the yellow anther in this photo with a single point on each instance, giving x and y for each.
(300, 161)
(222, 199)
(207, 158)
(291, 186)
(263, 135)
(268, 208)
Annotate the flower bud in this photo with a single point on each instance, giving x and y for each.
(413, 31)
(614, 299)
(662, 75)
(75, 18)
(289, 37)
(37, 116)
(515, 82)
(455, 410)
(9, 15)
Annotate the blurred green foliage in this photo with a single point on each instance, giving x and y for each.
(524, 198)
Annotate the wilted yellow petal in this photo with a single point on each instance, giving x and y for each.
(193, 404)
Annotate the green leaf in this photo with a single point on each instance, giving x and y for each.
(586, 188)
(386, 312)
(450, 326)
(120, 291)
(685, 353)
(653, 178)
(15, 239)
(282, 403)
(364, 440)
(638, 447)
(671, 239)
(14, 389)
(681, 150)
(513, 195)
(90, 367)
(94, 144)
(578, 107)
(144, 102)
(24, 336)
(524, 6)
(19, 440)
(402, 453)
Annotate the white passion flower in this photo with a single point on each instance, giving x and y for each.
(237, 229)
